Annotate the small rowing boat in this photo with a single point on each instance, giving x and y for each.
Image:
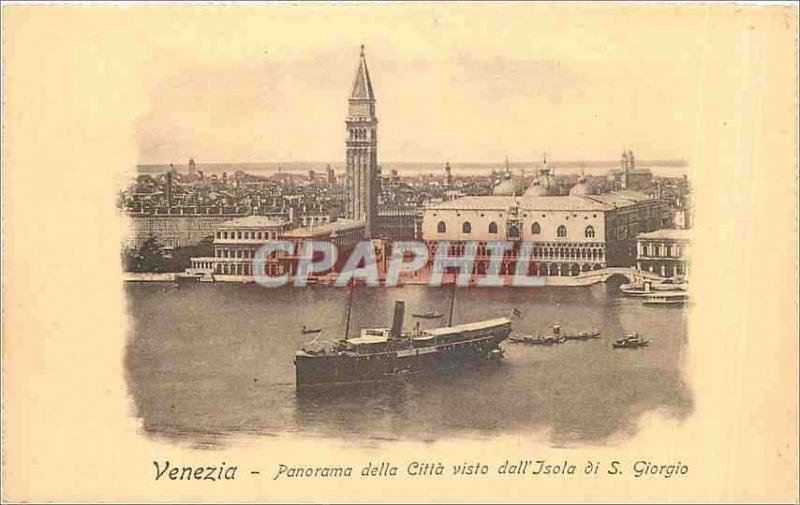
(631, 342)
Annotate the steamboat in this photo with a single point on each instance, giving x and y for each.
(384, 353)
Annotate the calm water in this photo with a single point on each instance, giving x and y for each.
(216, 359)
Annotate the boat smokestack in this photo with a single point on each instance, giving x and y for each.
(397, 321)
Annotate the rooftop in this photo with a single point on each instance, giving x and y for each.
(619, 198)
(253, 222)
(321, 230)
(667, 233)
(525, 202)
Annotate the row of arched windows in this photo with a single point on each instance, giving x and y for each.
(466, 227)
(536, 229)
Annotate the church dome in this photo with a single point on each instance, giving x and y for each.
(582, 188)
(508, 186)
(537, 189)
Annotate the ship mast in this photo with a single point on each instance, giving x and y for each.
(349, 310)
(452, 302)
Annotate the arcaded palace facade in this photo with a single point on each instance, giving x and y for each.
(567, 234)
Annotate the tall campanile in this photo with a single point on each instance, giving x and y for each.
(362, 150)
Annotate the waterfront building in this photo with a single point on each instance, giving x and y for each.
(664, 252)
(236, 243)
(362, 150)
(396, 224)
(308, 219)
(567, 234)
(344, 233)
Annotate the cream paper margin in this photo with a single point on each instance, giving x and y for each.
(71, 96)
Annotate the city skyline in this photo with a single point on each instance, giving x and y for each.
(536, 89)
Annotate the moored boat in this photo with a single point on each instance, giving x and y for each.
(648, 287)
(630, 342)
(673, 298)
(428, 315)
(584, 335)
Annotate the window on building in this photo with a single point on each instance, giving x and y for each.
(224, 234)
(536, 229)
(466, 227)
(589, 231)
(441, 227)
(492, 227)
(562, 231)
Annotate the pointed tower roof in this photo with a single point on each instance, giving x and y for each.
(362, 86)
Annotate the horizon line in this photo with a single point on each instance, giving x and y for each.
(679, 162)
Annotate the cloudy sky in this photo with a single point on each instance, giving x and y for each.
(472, 82)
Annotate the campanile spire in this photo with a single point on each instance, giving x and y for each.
(362, 149)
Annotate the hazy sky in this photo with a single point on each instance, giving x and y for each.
(472, 82)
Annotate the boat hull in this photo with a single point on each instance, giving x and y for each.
(346, 368)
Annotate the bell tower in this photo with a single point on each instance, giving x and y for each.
(362, 150)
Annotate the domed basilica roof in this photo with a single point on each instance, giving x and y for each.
(582, 188)
(537, 189)
(509, 186)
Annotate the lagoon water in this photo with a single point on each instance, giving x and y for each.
(211, 360)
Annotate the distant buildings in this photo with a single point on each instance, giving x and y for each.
(627, 176)
(177, 227)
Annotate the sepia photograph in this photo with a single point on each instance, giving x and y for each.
(364, 252)
(537, 293)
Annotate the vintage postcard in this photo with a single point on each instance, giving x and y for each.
(403, 252)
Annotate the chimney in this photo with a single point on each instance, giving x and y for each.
(397, 321)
